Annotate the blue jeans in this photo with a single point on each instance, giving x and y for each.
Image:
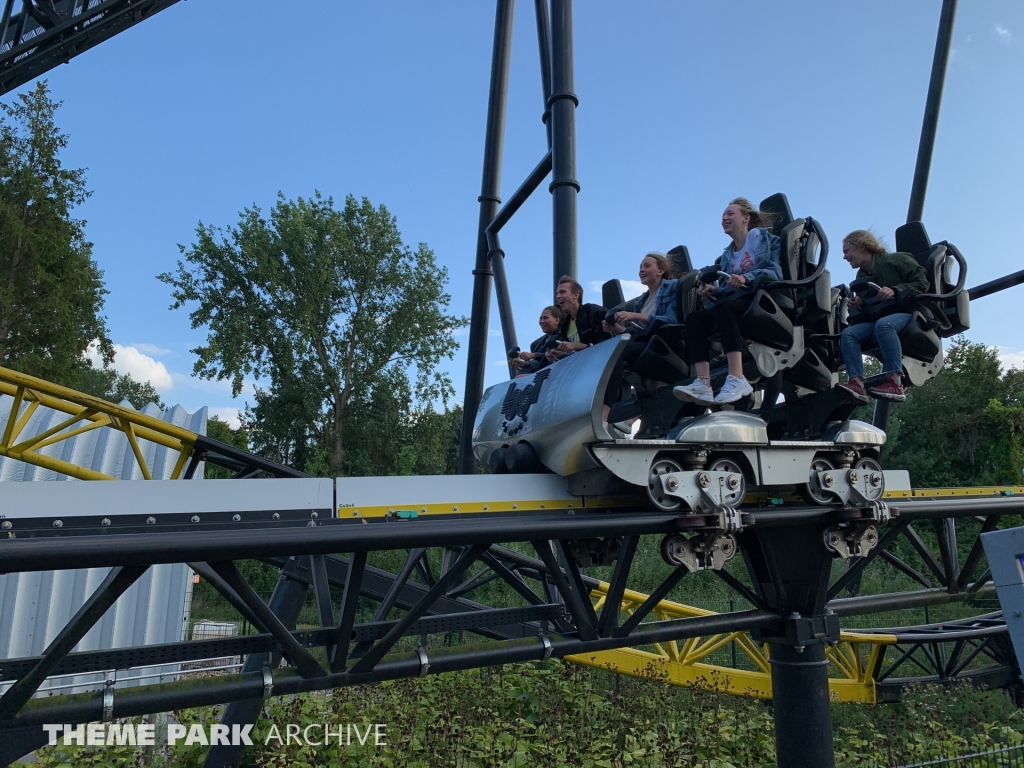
(883, 331)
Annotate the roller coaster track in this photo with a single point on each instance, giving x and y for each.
(681, 644)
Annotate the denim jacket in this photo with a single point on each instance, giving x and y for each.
(666, 307)
(766, 260)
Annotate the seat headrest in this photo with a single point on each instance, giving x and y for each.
(779, 205)
(680, 259)
(611, 294)
(913, 238)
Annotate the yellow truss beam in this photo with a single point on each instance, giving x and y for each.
(851, 660)
(85, 413)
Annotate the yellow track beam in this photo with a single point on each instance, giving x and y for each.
(85, 413)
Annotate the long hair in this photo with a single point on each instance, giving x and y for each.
(865, 238)
(662, 261)
(757, 218)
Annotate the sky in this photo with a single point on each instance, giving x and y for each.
(215, 105)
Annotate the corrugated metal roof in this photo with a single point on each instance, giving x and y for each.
(34, 607)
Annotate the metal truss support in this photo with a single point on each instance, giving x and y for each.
(45, 33)
(285, 604)
(113, 586)
(489, 202)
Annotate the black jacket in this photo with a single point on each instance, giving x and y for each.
(588, 324)
(538, 347)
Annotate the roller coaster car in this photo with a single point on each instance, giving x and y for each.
(687, 459)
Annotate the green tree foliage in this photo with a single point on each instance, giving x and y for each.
(108, 384)
(51, 290)
(331, 308)
(964, 427)
(218, 429)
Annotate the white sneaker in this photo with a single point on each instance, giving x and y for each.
(733, 389)
(697, 392)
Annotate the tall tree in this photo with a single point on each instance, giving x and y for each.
(326, 304)
(51, 290)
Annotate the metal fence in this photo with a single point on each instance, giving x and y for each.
(1008, 757)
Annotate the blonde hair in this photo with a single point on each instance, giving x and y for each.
(576, 287)
(866, 240)
(662, 261)
(757, 218)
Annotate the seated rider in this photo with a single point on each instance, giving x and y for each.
(535, 359)
(658, 303)
(581, 325)
(748, 262)
(900, 278)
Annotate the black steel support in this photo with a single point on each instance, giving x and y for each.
(112, 587)
(347, 614)
(803, 720)
(489, 201)
(286, 604)
(544, 46)
(930, 123)
(562, 103)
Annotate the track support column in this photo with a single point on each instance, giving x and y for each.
(803, 720)
(562, 103)
(489, 202)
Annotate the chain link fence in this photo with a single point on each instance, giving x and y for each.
(1008, 757)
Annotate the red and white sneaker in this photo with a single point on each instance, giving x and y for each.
(855, 389)
(890, 389)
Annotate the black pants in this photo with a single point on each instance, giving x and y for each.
(629, 355)
(723, 316)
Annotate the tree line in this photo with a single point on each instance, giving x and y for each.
(344, 329)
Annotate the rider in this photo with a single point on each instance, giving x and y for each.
(659, 303)
(581, 327)
(750, 260)
(534, 360)
(900, 278)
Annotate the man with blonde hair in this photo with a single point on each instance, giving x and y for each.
(582, 324)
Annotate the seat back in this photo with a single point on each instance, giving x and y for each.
(791, 256)
(611, 294)
(679, 257)
(938, 261)
(779, 205)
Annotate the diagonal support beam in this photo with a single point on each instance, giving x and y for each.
(613, 602)
(379, 649)
(570, 593)
(114, 585)
(926, 554)
(347, 615)
(299, 656)
(204, 570)
(651, 602)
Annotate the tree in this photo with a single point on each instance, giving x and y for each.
(108, 384)
(326, 304)
(964, 427)
(51, 290)
(221, 430)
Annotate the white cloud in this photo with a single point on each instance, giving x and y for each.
(153, 349)
(1005, 35)
(1011, 359)
(229, 415)
(139, 366)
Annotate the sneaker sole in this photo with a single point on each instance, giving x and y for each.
(686, 397)
(856, 395)
(887, 396)
(734, 397)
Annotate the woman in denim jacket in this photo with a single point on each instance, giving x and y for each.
(750, 261)
(658, 304)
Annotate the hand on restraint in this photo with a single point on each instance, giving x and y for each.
(570, 346)
(707, 289)
(886, 293)
(621, 318)
(737, 281)
(612, 327)
(854, 301)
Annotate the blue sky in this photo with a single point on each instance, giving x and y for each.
(214, 105)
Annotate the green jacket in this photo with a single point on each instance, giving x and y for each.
(899, 271)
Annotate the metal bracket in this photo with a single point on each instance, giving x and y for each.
(705, 491)
(424, 661)
(882, 512)
(108, 701)
(703, 552)
(729, 518)
(853, 487)
(856, 541)
(548, 646)
(268, 682)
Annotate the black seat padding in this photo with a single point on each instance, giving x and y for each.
(779, 205)
(679, 257)
(611, 294)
